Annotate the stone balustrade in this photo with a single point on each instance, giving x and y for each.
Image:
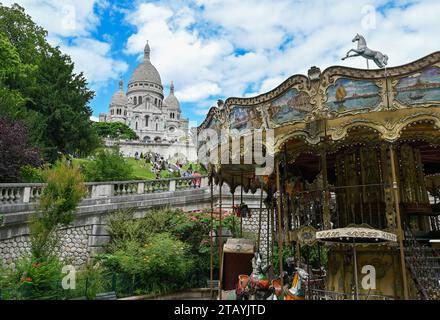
(16, 193)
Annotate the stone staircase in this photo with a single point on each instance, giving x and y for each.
(423, 263)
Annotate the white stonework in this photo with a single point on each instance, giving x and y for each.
(156, 121)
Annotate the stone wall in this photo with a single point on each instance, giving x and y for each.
(88, 234)
(251, 225)
(73, 247)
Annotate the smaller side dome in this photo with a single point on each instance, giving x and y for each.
(119, 98)
(171, 101)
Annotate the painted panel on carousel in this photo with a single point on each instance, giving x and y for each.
(348, 95)
(214, 124)
(293, 105)
(243, 118)
(422, 87)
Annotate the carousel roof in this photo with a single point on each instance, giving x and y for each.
(337, 108)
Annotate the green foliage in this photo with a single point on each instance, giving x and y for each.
(194, 167)
(30, 174)
(39, 87)
(108, 165)
(160, 264)
(114, 130)
(62, 194)
(33, 279)
(160, 230)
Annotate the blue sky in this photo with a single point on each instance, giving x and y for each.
(221, 48)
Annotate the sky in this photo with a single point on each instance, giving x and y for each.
(215, 49)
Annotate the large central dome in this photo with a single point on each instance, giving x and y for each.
(145, 71)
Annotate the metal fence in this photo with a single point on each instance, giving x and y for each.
(88, 288)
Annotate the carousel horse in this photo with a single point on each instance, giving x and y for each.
(256, 286)
(294, 291)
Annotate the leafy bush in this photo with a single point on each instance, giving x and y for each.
(160, 265)
(33, 279)
(58, 202)
(108, 165)
(30, 174)
(131, 237)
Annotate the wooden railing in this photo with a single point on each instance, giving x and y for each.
(17, 193)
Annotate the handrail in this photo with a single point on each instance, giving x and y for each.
(41, 184)
(22, 193)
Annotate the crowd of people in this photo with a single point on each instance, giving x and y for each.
(159, 163)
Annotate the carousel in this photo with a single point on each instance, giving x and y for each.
(353, 167)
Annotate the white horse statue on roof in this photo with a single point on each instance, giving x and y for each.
(362, 50)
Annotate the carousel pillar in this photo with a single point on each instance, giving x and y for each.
(220, 241)
(233, 204)
(399, 224)
(286, 206)
(279, 229)
(272, 225)
(259, 218)
(241, 202)
(326, 206)
(211, 246)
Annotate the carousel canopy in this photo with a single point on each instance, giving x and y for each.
(333, 109)
(357, 235)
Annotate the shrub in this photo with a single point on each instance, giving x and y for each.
(58, 202)
(160, 265)
(34, 279)
(108, 165)
(30, 174)
(130, 236)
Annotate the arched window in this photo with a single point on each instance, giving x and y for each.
(112, 112)
(135, 101)
(156, 126)
(136, 126)
(125, 112)
(140, 100)
(147, 119)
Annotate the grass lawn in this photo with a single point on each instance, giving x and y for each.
(142, 170)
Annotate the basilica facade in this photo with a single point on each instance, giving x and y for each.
(155, 119)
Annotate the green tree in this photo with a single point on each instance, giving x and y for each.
(64, 190)
(114, 130)
(108, 165)
(52, 98)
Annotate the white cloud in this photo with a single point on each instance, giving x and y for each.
(70, 24)
(93, 57)
(229, 48)
(223, 48)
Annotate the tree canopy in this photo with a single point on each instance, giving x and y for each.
(38, 85)
(14, 150)
(114, 130)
